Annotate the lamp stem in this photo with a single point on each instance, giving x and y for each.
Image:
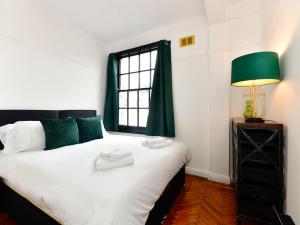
(253, 97)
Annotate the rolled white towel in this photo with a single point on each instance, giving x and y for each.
(116, 154)
(165, 143)
(155, 140)
(102, 164)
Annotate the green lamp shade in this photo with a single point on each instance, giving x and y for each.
(255, 69)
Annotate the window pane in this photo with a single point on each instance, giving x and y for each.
(145, 61)
(152, 75)
(143, 116)
(124, 65)
(132, 117)
(144, 98)
(145, 79)
(131, 78)
(123, 99)
(124, 82)
(134, 63)
(134, 80)
(123, 117)
(153, 58)
(132, 99)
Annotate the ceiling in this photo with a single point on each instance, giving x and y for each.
(112, 20)
(216, 9)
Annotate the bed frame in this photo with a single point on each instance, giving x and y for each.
(25, 213)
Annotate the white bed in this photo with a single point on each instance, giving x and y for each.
(64, 183)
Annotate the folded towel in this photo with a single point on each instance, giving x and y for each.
(116, 154)
(102, 164)
(155, 140)
(165, 143)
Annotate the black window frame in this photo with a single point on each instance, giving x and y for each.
(129, 53)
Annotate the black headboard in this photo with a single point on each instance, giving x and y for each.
(12, 116)
(76, 113)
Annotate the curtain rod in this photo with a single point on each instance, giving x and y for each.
(127, 51)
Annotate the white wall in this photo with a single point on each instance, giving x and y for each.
(47, 63)
(190, 84)
(239, 34)
(283, 36)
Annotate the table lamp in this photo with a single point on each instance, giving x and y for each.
(252, 70)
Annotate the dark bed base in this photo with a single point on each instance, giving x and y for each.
(163, 204)
(25, 213)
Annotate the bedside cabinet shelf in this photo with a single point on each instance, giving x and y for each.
(257, 169)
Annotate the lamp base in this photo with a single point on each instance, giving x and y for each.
(254, 105)
(254, 120)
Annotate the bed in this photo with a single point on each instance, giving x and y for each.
(61, 186)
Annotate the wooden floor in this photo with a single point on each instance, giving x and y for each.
(204, 203)
(201, 203)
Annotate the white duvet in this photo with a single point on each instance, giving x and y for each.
(64, 183)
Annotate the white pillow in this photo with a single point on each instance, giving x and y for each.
(3, 132)
(22, 136)
(104, 132)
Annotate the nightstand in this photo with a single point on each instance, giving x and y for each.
(257, 162)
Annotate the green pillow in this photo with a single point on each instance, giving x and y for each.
(60, 132)
(89, 128)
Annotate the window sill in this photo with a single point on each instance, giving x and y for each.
(131, 129)
(128, 134)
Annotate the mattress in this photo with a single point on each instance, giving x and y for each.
(65, 185)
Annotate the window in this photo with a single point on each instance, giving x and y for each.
(135, 78)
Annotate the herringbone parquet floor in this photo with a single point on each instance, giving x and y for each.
(204, 203)
(201, 203)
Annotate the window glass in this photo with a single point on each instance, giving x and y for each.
(132, 99)
(136, 72)
(124, 66)
(134, 80)
(134, 63)
(143, 116)
(123, 117)
(124, 82)
(123, 99)
(153, 59)
(132, 117)
(145, 79)
(144, 99)
(145, 61)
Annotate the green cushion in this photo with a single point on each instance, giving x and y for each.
(60, 132)
(89, 128)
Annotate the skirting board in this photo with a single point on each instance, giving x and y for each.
(209, 175)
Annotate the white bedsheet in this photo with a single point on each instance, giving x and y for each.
(64, 183)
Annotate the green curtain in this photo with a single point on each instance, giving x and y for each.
(111, 111)
(161, 114)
